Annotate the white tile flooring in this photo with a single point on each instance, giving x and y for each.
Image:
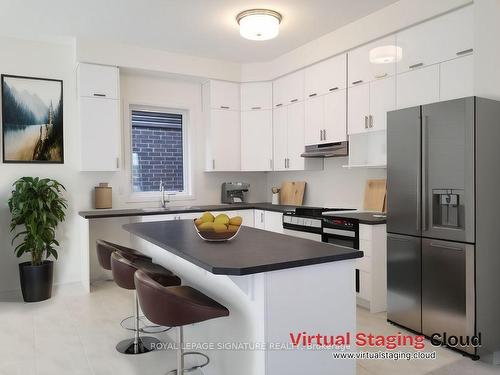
(75, 334)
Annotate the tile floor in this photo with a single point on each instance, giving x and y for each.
(75, 333)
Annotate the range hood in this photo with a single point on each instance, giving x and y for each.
(326, 150)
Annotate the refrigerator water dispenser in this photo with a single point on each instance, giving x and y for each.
(446, 208)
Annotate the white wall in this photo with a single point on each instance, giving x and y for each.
(38, 59)
(486, 51)
(51, 60)
(155, 60)
(333, 187)
(388, 20)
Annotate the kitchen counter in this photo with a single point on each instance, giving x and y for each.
(369, 218)
(273, 285)
(252, 251)
(109, 213)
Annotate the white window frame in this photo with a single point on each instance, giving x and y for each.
(154, 196)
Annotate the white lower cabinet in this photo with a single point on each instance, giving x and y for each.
(257, 140)
(418, 87)
(372, 268)
(269, 220)
(457, 78)
(273, 221)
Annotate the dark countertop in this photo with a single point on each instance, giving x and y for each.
(252, 251)
(370, 218)
(107, 213)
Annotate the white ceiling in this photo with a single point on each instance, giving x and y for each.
(205, 28)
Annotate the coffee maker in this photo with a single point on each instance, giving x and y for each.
(234, 192)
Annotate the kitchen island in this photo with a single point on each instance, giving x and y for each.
(276, 287)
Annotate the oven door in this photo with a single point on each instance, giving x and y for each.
(342, 237)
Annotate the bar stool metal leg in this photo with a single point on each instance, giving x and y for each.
(181, 354)
(139, 344)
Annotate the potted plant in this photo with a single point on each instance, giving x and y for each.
(37, 206)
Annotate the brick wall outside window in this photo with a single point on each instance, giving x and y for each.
(157, 155)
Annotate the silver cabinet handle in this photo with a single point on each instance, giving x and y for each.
(416, 65)
(366, 122)
(285, 162)
(271, 164)
(356, 82)
(256, 107)
(99, 95)
(262, 217)
(224, 107)
(294, 100)
(465, 51)
(324, 134)
(382, 75)
(313, 94)
(320, 135)
(333, 88)
(371, 121)
(117, 163)
(213, 163)
(279, 104)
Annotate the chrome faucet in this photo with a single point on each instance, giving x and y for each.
(163, 200)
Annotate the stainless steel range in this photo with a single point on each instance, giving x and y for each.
(307, 222)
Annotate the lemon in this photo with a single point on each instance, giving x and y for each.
(237, 220)
(222, 219)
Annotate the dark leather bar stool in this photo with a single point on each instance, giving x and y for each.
(124, 268)
(105, 249)
(176, 306)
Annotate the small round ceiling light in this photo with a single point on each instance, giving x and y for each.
(259, 24)
(386, 54)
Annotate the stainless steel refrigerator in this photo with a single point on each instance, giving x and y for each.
(438, 158)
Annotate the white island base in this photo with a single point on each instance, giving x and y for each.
(264, 309)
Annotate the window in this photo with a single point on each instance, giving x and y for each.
(158, 150)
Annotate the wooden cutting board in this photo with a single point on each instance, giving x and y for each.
(292, 193)
(375, 195)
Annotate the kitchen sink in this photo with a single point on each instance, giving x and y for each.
(170, 208)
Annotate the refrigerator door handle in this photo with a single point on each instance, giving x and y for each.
(425, 198)
(418, 204)
(448, 247)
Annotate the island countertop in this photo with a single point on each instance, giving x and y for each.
(252, 251)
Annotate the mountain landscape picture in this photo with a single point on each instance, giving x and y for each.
(32, 120)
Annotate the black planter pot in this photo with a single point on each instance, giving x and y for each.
(36, 281)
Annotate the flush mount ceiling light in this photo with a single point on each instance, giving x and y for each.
(259, 24)
(386, 54)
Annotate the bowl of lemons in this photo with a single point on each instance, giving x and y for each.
(217, 228)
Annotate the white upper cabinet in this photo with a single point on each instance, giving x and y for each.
(335, 117)
(99, 115)
(440, 39)
(98, 81)
(325, 118)
(224, 95)
(382, 100)
(257, 140)
(457, 78)
(100, 134)
(288, 89)
(223, 141)
(256, 96)
(326, 76)
(358, 108)
(366, 63)
(295, 136)
(280, 138)
(418, 87)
